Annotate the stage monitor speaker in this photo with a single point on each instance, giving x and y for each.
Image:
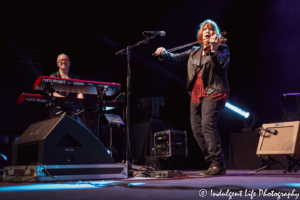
(286, 142)
(59, 141)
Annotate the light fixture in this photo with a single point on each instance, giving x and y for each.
(237, 110)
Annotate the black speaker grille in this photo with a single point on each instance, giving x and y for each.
(27, 153)
(68, 141)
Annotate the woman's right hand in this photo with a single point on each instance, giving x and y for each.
(159, 51)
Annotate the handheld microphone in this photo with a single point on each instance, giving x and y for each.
(160, 33)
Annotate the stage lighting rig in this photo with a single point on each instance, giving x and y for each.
(250, 122)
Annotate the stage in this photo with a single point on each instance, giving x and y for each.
(237, 184)
(115, 95)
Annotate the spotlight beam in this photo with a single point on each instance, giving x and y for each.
(237, 110)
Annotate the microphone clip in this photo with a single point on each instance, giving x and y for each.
(262, 131)
(152, 36)
(154, 33)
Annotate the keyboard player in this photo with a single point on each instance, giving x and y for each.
(63, 63)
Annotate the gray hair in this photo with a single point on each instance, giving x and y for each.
(62, 54)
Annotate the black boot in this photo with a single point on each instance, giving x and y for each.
(203, 173)
(216, 169)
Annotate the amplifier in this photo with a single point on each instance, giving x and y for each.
(285, 142)
(170, 143)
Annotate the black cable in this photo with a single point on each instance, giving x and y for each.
(84, 119)
(144, 166)
(153, 163)
(55, 178)
(21, 175)
(18, 176)
(152, 155)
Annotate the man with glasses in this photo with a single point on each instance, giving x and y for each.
(63, 63)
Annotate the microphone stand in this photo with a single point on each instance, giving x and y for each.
(100, 96)
(128, 53)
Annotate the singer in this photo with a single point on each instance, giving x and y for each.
(208, 86)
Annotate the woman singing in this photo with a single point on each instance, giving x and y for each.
(207, 84)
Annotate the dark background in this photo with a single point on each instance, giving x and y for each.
(262, 37)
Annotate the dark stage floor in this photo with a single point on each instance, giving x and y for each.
(237, 184)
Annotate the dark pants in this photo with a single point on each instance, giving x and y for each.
(204, 125)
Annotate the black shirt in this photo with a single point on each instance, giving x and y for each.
(71, 76)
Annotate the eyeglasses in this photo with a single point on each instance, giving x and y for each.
(63, 60)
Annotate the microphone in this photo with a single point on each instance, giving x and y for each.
(273, 131)
(160, 33)
(261, 129)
